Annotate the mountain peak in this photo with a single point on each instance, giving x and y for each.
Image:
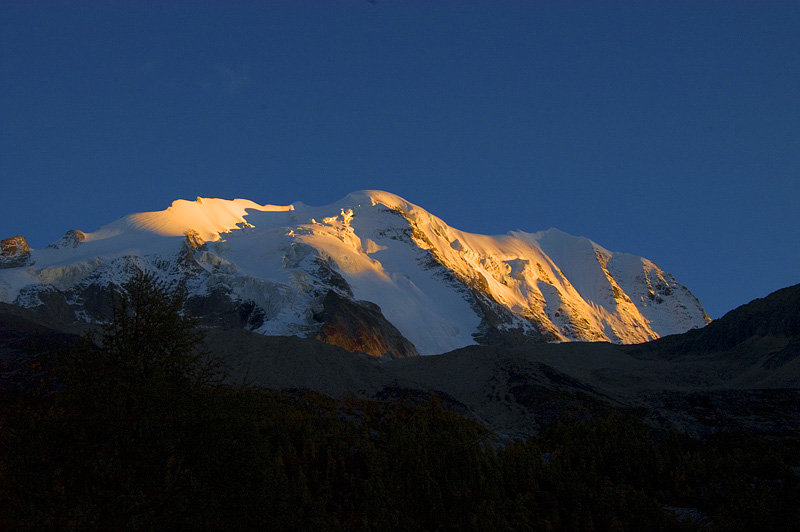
(440, 287)
(14, 252)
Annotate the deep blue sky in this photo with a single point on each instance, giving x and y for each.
(666, 129)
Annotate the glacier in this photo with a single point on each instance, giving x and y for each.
(272, 266)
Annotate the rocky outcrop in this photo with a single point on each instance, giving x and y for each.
(14, 252)
(219, 310)
(360, 326)
(71, 238)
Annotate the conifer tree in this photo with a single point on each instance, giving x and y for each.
(135, 401)
(149, 338)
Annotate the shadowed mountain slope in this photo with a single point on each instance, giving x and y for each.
(701, 381)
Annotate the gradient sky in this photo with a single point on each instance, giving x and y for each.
(669, 130)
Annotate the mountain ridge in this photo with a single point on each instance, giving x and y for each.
(440, 288)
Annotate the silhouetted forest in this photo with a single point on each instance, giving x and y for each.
(133, 430)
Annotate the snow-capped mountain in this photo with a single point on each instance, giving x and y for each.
(371, 272)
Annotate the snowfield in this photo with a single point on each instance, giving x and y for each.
(433, 282)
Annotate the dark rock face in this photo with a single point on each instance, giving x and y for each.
(331, 277)
(218, 310)
(71, 238)
(95, 301)
(14, 252)
(55, 307)
(496, 325)
(360, 326)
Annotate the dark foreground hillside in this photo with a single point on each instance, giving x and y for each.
(137, 430)
(224, 458)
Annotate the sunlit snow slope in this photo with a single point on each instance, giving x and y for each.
(441, 288)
